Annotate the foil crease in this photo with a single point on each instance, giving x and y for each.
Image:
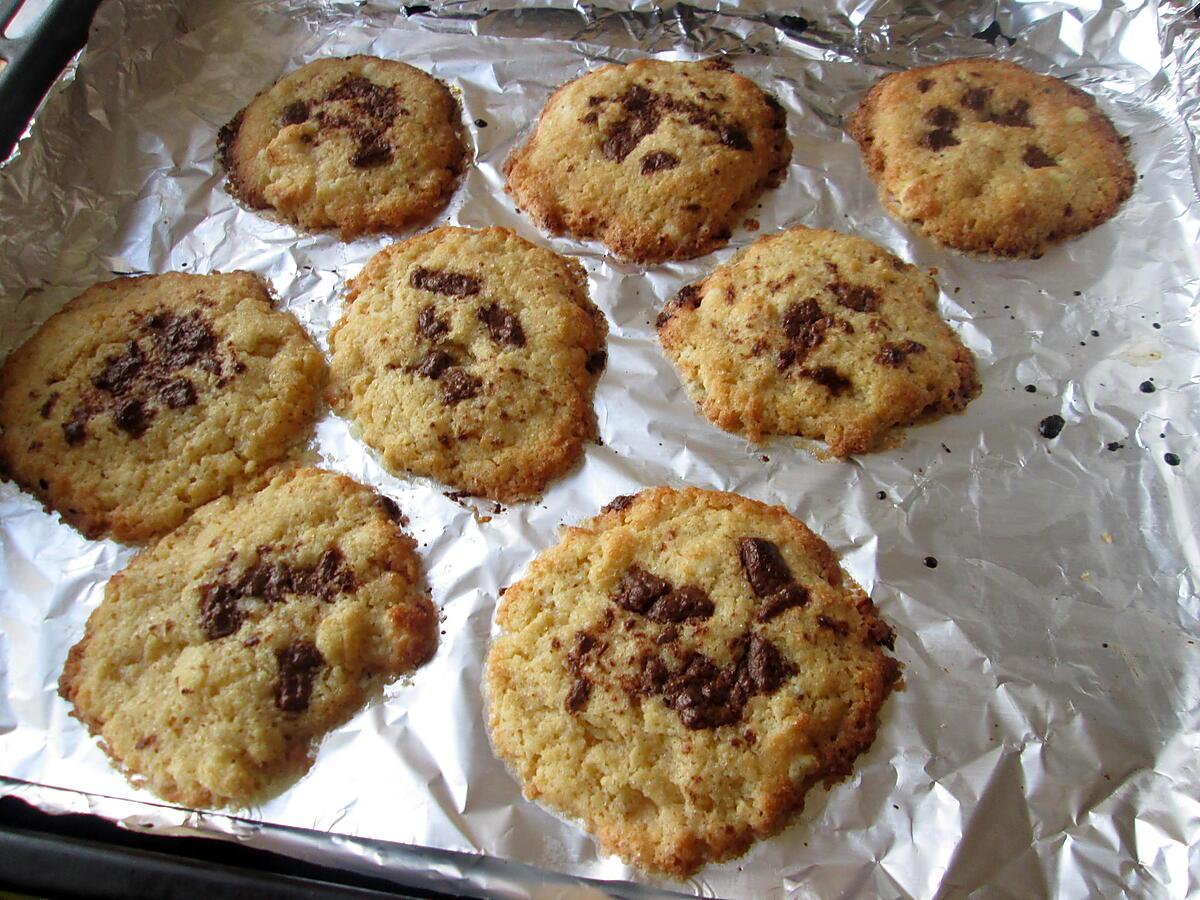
(1047, 742)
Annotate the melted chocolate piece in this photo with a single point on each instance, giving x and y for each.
(299, 663)
(942, 117)
(596, 361)
(858, 297)
(827, 376)
(837, 626)
(799, 317)
(894, 354)
(733, 136)
(1016, 117)
(434, 364)
(658, 162)
(618, 503)
(452, 284)
(428, 322)
(788, 596)
(639, 589)
(457, 386)
(48, 406)
(642, 116)
(668, 635)
(220, 615)
(688, 297)
(976, 98)
(1051, 426)
(686, 603)
(577, 696)
(75, 428)
(133, 417)
(391, 509)
(369, 156)
(939, 139)
(178, 394)
(503, 326)
(764, 565)
(1037, 158)
(121, 371)
(181, 340)
(295, 113)
(924, 84)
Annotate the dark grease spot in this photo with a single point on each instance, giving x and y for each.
(1050, 426)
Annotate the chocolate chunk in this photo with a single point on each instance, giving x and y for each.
(1015, 117)
(180, 340)
(976, 98)
(220, 615)
(299, 663)
(428, 322)
(894, 354)
(378, 102)
(596, 361)
(371, 155)
(330, 577)
(642, 117)
(653, 675)
(295, 113)
(668, 635)
(457, 386)
(120, 371)
(48, 406)
(786, 358)
(1037, 158)
(639, 589)
(764, 565)
(391, 509)
(75, 428)
(799, 318)
(577, 696)
(688, 297)
(942, 117)
(1051, 426)
(858, 297)
(827, 376)
(434, 364)
(924, 84)
(785, 598)
(837, 626)
(658, 161)
(133, 417)
(939, 139)
(618, 503)
(178, 394)
(590, 118)
(686, 603)
(767, 668)
(733, 136)
(452, 284)
(502, 325)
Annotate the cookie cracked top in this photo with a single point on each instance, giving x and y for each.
(360, 144)
(471, 357)
(654, 159)
(680, 670)
(985, 156)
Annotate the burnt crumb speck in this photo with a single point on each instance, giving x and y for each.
(299, 664)
(451, 284)
(1051, 426)
(1171, 459)
(616, 504)
(503, 326)
(1031, 389)
(1147, 387)
(1113, 446)
(931, 562)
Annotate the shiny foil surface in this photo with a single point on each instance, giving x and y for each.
(1047, 741)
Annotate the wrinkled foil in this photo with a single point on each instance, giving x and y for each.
(1047, 742)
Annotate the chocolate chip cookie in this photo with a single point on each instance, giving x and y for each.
(817, 334)
(147, 397)
(471, 357)
(985, 156)
(360, 144)
(654, 159)
(225, 651)
(680, 670)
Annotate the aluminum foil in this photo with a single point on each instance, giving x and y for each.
(1047, 742)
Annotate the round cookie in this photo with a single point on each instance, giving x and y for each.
(144, 398)
(360, 144)
(224, 652)
(985, 156)
(655, 159)
(680, 670)
(817, 334)
(471, 357)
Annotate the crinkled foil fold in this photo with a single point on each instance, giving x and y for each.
(1047, 742)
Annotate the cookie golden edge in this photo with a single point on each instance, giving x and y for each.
(118, 524)
(417, 623)
(860, 128)
(403, 214)
(638, 846)
(639, 245)
(853, 438)
(553, 459)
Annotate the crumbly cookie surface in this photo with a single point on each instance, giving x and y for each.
(680, 670)
(654, 159)
(985, 156)
(223, 652)
(817, 334)
(147, 397)
(360, 144)
(471, 357)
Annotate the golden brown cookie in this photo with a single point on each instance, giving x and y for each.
(147, 397)
(225, 651)
(654, 159)
(471, 357)
(985, 156)
(680, 670)
(817, 334)
(360, 144)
